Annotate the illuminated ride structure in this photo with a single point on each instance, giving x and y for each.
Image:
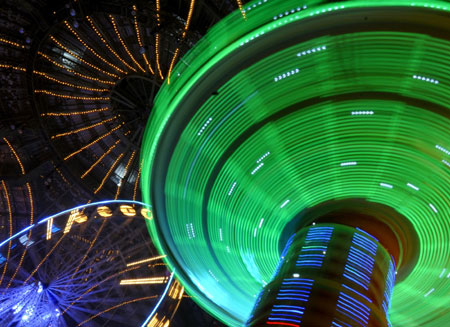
(93, 265)
(298, 165)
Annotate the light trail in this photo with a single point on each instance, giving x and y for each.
(8, 202)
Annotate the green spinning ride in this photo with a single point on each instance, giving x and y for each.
(297, 105)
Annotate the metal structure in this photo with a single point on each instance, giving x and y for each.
(321, 112)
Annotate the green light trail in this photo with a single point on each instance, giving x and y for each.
(264, 118)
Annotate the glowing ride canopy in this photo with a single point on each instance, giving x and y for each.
(291, 108)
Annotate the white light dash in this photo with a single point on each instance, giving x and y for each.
(232, 188)
(366, 113)
(429, 292)
(442, 273)
(425, 79)
(261, 222)
(441, 148)
(386, 185)
(204, 126)
(413, 186)
(349, 163)
(285, 75)
(257, 168)
(313, 50)
(262, 157)
(433, 208)
(284, 203)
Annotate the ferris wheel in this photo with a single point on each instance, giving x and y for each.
(93, 265)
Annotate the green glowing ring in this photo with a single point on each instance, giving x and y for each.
(366, 116)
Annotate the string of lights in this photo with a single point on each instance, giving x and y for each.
(116, 30)
(81, 59)
(100, 158)
(82, 129)
(12, 43)
(138, 36)
(91, 22)
(127, 166)
(75, 113)
(43, 55)
(108, 173)
(8, 202)
(65, 96)
(93, 142)
(81, 87)
(92, 50)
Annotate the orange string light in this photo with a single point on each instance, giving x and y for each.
(84, 128)
(188, 20)
(90, 247)
(172, 63)
(74, 72)
(62, 176)
(157, 56)
(8, 202)
(92, 50)
(43, 260)
(158, 8)
(15, 44)
(158, 19)
(65, 96)
(28, 239)
(241, 8)
(137, 181)
(97, 285)
(100, 159)
(125, 172)
(45, 75)
(75, 112)
(13, 67)
(81, 59)
(186, 27)
(93, 142)
(138, 35)
(31, 204)
(91, 22)
(108, 173)
(15, 155)
(116, 30)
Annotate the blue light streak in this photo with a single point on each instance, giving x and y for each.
(339, 323)
(347, 311)
(356, 292)
(355, 281)
(288, 306)
(349, 299)
(364, 232)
